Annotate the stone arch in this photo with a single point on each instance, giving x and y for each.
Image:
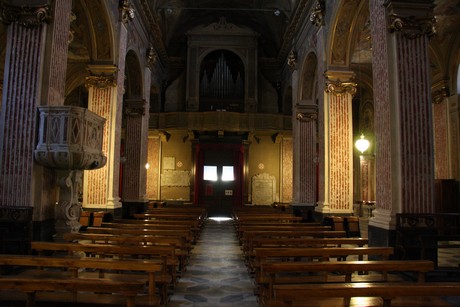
(343, 25)
(91, 41)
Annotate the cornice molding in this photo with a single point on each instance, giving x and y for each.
(27, 16)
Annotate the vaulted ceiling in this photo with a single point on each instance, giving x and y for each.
(273, 20)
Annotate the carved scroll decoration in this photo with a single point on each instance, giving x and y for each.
(29, 17)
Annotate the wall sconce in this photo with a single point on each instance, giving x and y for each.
(362, 144)
(147, 165)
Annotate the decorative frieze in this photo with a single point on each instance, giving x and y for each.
(27, 16)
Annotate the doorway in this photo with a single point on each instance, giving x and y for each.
(219, 178)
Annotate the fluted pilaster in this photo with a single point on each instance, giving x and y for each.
(404, 130)
(20, 98)
(338, 150)
(305, 155)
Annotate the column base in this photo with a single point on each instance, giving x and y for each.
(131, 207)
(304, 210)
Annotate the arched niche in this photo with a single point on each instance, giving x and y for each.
(133, 77)
(222, 82)
(203, 41)
(308, 79)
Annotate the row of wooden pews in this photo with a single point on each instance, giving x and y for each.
(297, 263)
(132, 262)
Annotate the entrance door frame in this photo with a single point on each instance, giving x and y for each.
(238, 160)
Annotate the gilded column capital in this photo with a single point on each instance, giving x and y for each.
(27, 16)
(100, 82)
(134, 107)
(102, 76)
(340, 83)
(126, 11)
(412, 19)
(317, 14)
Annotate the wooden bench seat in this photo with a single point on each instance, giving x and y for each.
(303, 295)
(31, 285)
(182, 247)
(249, 236)
(71, 267)
(288, 227)
(300, 272)
(164, 254)
(266, 255)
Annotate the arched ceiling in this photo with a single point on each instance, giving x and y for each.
(273, 20)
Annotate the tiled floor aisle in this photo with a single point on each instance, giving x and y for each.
(216, 275)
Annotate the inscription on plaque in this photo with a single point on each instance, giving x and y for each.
(263, 189)
(175, 178)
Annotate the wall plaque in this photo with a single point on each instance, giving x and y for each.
(263, 189)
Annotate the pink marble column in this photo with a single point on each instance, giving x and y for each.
(102, 101)
(24, 52)
(286, 170)
(153, 172)
(338, 147)
(101, 187)
(305, 155)
(402, 95)
(133, 191)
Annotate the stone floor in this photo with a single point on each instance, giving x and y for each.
(216, 275)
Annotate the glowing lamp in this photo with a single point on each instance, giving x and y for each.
(362, 144)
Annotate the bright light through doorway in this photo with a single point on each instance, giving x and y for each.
(220, 218)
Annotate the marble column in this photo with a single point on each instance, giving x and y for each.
(101, 185)
(19, 192)
(305, 155)
(338, 145)
(21, 90)
(454, 120)
(403, 124)
(133, 186)
(105, 87)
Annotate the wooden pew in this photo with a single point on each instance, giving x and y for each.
(281, 272)
(142, 231)
(267, 242)
(165, 254)
(128, 289)
(307, 242)
(192, 234)
(71, 267)
(279, 227)
(340, 294)
(179, 243)
(266, 255)
(249, 236)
